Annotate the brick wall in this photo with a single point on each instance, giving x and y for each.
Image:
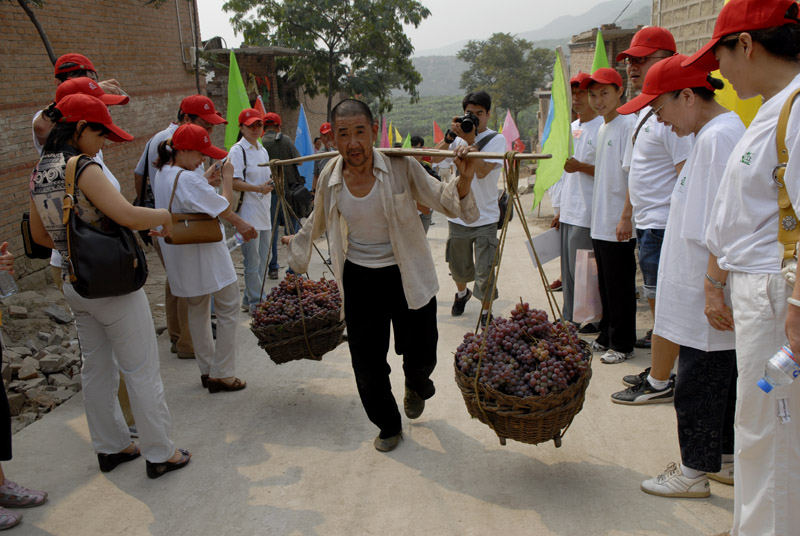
(690, 21)
(137, 45)
(582, 46)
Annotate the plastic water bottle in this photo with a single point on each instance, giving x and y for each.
(235, 241)
(8, 285)
(781, 369)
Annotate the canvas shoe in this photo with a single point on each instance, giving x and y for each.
(612, 357)
(460, 303)
(724, 475)
(413, 404)
(597, 347)
(672, 483)
(646, 341)
(644, 393)
(556, 285)
(387, 444)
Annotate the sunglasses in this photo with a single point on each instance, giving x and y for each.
(641, 61)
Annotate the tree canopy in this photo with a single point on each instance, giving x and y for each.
(356, 46)
(508, 68)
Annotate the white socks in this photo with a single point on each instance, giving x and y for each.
(688, 472)
(461, 293)
(658, 384)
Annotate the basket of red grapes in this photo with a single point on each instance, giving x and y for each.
(527, 380)
(299, 319)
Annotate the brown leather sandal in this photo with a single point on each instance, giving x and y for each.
(216, 385)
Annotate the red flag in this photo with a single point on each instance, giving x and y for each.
(259, 105)
(437, 133)
(519, 146)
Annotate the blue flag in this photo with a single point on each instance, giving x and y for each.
(551, 114)
(302, 140)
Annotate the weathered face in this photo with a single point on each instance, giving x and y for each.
(580, 100)
(354, 137)
(676, 113)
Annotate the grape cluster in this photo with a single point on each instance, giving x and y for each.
(524, 355)
(282, 304)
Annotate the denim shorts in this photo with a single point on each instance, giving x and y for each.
(649, 241)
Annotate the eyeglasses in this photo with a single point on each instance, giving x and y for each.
(641, 61)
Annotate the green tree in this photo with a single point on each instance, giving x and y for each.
(508, 68)
(357, 46)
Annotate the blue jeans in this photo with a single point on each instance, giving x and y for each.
(649, 241)
(273, 259)
(255, 253)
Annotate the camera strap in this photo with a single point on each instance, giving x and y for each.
(485, 140)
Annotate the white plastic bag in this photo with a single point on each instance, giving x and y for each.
(586, 305)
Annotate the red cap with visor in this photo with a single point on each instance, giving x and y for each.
(248, 116)
(202, 107)
(191, 137)
(272, 119)
(741, 16)
(578, 78)
(73, 62)
(82, 107)
(604, 75)
(325, 128)
(88, 86)
(647, 41)
(665, 76)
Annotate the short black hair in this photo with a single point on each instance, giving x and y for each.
(478, 98)
(417, 141)
(350, 108)
(77, 73)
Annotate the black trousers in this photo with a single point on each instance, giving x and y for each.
(374, 300)
(5, 422)
(616, 274)
(705, 403)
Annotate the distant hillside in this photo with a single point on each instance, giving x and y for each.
(441, 70)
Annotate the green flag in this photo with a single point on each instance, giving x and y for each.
(407, 141)
(600, 56)
(559, 141)
(237, 101)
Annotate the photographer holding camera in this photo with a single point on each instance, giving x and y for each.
(471, 246)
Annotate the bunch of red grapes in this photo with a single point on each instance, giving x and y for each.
(525, 355)
(282, 304)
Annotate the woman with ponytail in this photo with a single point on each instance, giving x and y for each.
(121, 324)
(199, 271)
(705, 395)
(755, 46)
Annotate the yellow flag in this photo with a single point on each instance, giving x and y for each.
(391, 135)
(727, 97)
(397, 137)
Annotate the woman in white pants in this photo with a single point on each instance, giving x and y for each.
(199, 271)
(122, 324)
(755, 45)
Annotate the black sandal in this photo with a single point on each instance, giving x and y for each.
(155, 470)
(108, 462)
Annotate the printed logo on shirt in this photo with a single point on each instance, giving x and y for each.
(747, 158)
(576, 134)
(609, 143)
(647, 128)
(682, 184)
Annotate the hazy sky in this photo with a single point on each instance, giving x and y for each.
(450, 20)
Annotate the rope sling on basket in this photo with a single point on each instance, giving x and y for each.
(308, 337)
(530, 419)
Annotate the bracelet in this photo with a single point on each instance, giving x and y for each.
(715, 283)
(792, 301)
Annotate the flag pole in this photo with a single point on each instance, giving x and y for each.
(413, 152)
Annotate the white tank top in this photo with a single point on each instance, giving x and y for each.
(369, 243)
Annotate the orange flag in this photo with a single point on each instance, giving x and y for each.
(437, 133)
(259, 105)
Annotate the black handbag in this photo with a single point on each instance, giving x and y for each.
(502, 203)
(301, 200)
(100, 263)
(32, 249)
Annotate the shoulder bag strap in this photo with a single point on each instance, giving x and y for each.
(641, 124)
(788, 231)
(172, 196)
(244, 179)
(69, 187)
(486, 139)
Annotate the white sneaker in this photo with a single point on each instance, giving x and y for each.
(725, 475)
(597, 347)
(672, 483)
(612, 357)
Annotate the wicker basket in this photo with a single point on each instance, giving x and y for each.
(288, 342)
(533, 419)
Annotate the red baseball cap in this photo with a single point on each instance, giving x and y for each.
(649, 40)
(272, 119)
(325, 128)
(88, 86)
(741, 16)
(190, 137)
(73, 62)
(663, 77)
(248, 116)
(80, 106)
(604, 75)
(578, 78)
(202, 107)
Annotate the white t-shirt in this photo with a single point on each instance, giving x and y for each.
(255, 206)
(193, 269)
(610, 179)
(485, 189)
(651, 170)
(55, 256)
(576, 188)
(743, 228)
(680, 295)
(152, 152)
